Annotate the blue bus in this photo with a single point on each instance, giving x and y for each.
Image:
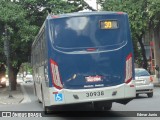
(84, 57)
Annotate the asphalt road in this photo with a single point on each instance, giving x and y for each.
(120, 112)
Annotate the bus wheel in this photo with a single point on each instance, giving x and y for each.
(47, 110)
(150, 95)
(39, 100)
(104, 106)
(137, 95)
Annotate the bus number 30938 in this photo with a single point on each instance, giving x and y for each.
(92, 94)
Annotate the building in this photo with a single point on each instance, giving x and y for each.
(152, 47)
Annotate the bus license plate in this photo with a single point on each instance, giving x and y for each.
(94, 94)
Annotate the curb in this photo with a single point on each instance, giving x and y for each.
(22, 94)
(21, 100)
(26, 98)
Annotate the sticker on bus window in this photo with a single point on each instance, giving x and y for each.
(58, 97)
(108, 24)
(96, 78)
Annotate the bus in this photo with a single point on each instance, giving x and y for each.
(84, 57)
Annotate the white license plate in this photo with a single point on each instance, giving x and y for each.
(141, 82)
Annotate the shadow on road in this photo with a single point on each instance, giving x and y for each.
(82, 110)
(141, 97)
(85, 114)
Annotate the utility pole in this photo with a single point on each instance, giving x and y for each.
(7, 53)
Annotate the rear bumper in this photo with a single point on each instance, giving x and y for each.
(67, 96)
(145, 88)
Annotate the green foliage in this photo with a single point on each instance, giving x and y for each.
(153, 11)
(20, 32)
(24, 19)
(136, 10)
(11, 12)
(143, 15)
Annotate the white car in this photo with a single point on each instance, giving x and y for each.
(143, 82)
(28, 78)
(2, 81)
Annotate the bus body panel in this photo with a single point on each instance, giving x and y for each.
(81, 95)
(75, 63)
(81, 66)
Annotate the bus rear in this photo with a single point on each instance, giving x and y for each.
(90, 58)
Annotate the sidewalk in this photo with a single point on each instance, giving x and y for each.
(17, 95)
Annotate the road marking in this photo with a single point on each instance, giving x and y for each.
(26, 96)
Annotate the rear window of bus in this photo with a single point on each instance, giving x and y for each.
(88, 31)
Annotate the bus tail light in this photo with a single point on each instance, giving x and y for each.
(120, 13)
(56, 80)
(128, 69)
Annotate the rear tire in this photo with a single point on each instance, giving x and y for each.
(47, 110)
(137, 95)
(104, 106)
(39, 101)
(150, 95)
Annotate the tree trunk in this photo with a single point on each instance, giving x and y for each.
(144, 63)
(13, 77)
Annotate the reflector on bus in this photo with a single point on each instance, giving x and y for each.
(128, 68)
(56, 80)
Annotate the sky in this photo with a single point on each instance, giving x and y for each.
(92, 3)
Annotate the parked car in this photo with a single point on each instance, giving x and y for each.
(28, 78)
(2, 81)
(2, 75)
(143, 82)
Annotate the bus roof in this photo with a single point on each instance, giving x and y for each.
(51, 16)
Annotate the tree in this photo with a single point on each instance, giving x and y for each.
(24, 18)
(137, 11)
(19, 33)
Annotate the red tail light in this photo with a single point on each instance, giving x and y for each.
(128, 68)
(120, 13)
(151, 79)
(56, 80)
(55, 16)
